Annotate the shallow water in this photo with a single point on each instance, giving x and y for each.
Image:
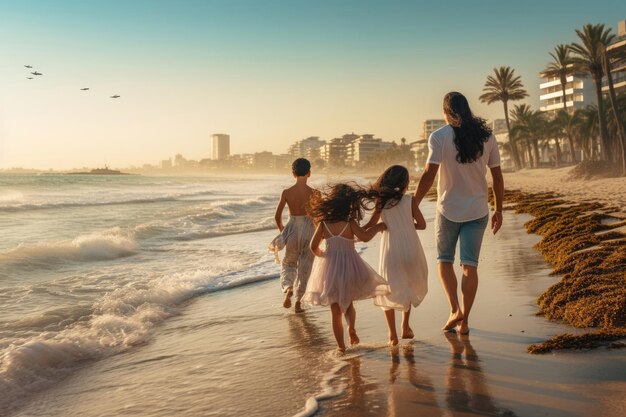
(173, 329)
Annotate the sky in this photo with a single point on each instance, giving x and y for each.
(266, 72)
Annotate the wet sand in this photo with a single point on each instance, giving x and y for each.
(237, 352)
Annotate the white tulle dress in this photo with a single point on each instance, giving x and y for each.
(341, 275)
(402, 260)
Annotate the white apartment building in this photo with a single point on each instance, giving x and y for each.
(334, 152)
(220, 146)
(617, 52)
(430, 125)
(307, 148)
(360, 148)
(579, 93)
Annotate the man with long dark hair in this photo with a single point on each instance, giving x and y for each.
(461, 151)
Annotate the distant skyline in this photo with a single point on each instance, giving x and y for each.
(267, 73)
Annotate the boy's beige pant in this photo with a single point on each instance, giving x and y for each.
(298, 260)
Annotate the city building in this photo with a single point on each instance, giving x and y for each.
(307, 148)
(220, 146)
(430, 125)
(166, 163)
(617, 52)
(283, 162)
(263, 160)
(364, 147)
(579, 93)
(498, 127)
(334, 152)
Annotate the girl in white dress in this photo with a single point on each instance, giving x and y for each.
(339, 275)
(402, 259)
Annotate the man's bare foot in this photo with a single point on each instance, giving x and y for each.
(298, 308)
(287, 302)
(453, 321)
(407, 332)
(354, 339)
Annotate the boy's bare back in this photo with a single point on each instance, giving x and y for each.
(297, 197)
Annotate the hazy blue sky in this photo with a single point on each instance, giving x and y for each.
(266, 72)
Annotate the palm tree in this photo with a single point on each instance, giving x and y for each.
(503, 86)
(554, 129)
(564, 126)
(560, 67)
(530, 125)
(585, 123)
(588, 58)
(619, 124)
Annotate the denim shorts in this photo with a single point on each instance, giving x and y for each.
(469, 233)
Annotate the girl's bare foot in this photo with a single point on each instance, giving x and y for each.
(453, 321)
(354, 339)
(287, 302)
(393, 340)
(341, 350)
(298, 308)
(407, 332)
(464, 328)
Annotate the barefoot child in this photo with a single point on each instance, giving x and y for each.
(402, 259)
(296, 235)
(339, 274)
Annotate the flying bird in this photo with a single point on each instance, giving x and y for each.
(28, 66)
(30, 78)
(115, 96)
(36, 73)
(84, 89)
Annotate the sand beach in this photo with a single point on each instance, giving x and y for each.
(608, 191)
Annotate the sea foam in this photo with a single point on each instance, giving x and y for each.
(98, 246)
(117, 321)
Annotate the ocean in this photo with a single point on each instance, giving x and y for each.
(90, 265)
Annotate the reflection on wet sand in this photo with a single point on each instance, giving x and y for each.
(467, 388)
(306, 334)
(412, 398)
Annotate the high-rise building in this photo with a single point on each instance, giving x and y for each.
(220, 146)
(617, 52)
(430, 125)
(579, 93)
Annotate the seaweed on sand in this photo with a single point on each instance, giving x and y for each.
(592, 292)
(582, 341)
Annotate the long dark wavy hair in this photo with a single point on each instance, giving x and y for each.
(389, 188)
(470, 132)
(338, 203)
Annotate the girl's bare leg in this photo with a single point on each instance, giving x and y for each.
(390, 316)
(335, 312)
(407, 332)
(351, 320)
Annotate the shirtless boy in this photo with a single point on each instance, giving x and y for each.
(297, 233)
